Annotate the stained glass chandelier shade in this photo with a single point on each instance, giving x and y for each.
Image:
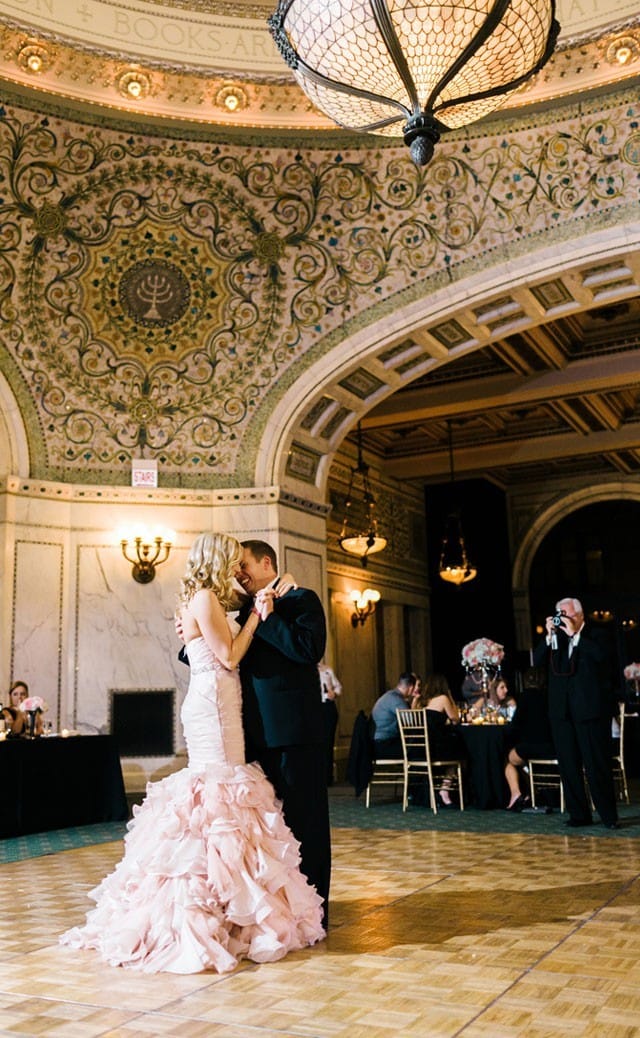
(397, 67)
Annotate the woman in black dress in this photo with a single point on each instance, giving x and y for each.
(529, 734)
(444, 741)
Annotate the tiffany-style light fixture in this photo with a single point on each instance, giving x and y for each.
(409, 67)
(359, 533)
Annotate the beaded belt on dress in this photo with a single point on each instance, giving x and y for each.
(203, 670)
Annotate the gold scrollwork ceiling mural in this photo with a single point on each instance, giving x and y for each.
(158, 295)
(137, 273)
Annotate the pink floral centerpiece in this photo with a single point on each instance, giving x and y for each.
(632, 672)
(33, 703)
(482, 653)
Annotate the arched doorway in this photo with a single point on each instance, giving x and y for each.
(593, 553)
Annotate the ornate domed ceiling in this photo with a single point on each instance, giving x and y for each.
(169, 273)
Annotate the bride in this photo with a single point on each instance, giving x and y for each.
(210, 871)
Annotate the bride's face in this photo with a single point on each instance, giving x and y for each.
(239, 596)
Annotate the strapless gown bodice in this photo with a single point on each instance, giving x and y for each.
(210, 873)
(212, 711)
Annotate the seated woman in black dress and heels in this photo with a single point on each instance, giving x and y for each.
(529, 734)
(444, 741)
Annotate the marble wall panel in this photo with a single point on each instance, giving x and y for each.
(37, 621)
(125, 637)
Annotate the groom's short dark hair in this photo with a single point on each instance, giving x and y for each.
(259, 549)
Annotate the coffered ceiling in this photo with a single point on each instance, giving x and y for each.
(558, 399)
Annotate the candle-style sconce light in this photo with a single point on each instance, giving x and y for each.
(146, 550)
(364, 603)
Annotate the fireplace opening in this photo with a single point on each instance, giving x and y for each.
(143, 721)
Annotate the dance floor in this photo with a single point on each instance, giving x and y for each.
(434, 932)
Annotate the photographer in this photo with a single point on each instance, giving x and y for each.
(580, 712)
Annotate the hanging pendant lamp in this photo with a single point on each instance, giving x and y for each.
(359, 533)
(454, 566)
(411, 67)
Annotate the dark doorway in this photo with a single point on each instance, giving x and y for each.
(593, 555)
(482, 608)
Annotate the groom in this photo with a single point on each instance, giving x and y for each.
(282, 708)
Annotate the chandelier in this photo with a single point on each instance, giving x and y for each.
(359, 532)
(409, 66)
(454, 566)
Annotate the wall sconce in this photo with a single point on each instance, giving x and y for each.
(145, 551)
(364, 604)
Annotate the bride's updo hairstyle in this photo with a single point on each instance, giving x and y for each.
(213, 558)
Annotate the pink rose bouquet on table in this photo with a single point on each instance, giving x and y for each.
(482, 652)
(33, 703)
(632, 672)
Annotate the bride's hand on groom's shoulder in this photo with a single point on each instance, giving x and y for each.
(285, 583)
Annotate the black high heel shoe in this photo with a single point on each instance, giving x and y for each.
(518, 804)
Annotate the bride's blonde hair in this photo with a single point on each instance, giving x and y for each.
(213, 559)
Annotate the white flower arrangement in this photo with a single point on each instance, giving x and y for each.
(632, 672)
(482, 653)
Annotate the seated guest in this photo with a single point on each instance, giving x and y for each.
(473, 689)
(386, 738)
(529, 734)
(14, 717)
(444, 741)
(502, 700)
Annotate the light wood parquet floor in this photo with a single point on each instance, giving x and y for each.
(433, 934)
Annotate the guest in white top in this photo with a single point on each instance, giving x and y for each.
(331, 689)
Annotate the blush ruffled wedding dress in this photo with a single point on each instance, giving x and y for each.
(210, 873)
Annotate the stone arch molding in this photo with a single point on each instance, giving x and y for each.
(551, 516)
(403, 339)
(14, 447)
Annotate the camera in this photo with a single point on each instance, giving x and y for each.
(557, 619)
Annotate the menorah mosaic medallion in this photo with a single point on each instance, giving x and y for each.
(154, 292)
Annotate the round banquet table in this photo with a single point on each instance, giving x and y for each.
(485, 746)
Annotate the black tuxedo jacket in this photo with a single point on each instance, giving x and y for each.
(281, 698)
(579, 685)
